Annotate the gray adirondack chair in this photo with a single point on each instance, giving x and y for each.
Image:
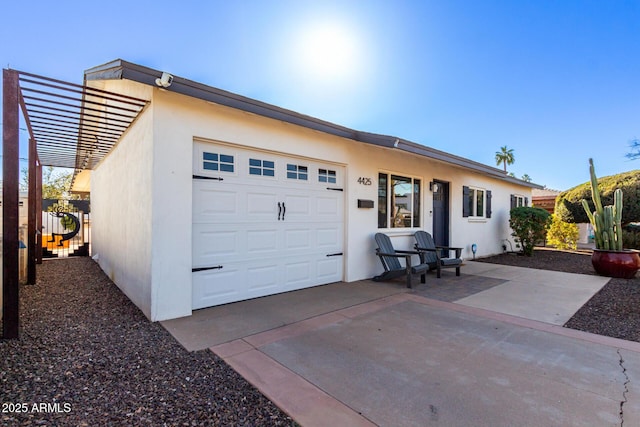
(392, 266)
(430, 254)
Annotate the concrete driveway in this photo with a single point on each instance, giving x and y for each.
(495, 356)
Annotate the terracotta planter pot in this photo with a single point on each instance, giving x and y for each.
(622, 265)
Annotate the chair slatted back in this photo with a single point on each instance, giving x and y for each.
(385, 246)
(424, 240)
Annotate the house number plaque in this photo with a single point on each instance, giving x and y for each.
(364, 181)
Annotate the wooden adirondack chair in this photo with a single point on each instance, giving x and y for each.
(392, 266)
(430, 253)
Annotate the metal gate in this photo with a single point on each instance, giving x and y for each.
(66, 226)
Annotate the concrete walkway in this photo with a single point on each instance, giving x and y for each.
(496, 356)
(547, 296)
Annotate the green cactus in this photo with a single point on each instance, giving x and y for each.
(607, 220)
(617, 217)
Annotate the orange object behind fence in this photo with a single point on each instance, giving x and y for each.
(55, 244)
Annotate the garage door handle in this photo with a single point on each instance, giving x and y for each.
(336, 254)
(279, 210)
(284, 210)
(217, 267)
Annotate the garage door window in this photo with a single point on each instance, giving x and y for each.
(262, 167)
(217, 162)
(327, 175)
(297, 172)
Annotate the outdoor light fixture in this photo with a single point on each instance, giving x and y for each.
(474, 248)
(433, 186)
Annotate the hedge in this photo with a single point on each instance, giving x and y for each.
(569, 205)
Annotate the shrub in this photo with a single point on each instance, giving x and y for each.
(529, 226)
(631, 236)
(562, 235)
(569, 207)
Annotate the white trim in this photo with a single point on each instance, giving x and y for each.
(472, 215)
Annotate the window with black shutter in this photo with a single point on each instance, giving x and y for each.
(518, 201)
(476, 202)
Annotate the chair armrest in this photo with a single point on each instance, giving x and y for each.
(396, 254)
(409, 252)
(426, 249)
(451, 248)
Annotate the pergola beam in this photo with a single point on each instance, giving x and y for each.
(10, 195)
(32, 213)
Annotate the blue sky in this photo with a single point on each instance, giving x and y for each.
(556, 81)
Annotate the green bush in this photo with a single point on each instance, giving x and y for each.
(562, 235)
(68, 223)
(529, 226)
(569, 207)
(631, 236)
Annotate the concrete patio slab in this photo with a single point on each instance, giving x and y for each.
(287, 389)
(416, 364)
(216, 325)
(452, 288)
(546, 296)
(379, 354)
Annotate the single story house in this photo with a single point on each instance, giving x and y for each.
(211, 197)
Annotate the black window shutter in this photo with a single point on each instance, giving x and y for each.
(514, 201)
(526, 201)
(465, 201)
(488, 204)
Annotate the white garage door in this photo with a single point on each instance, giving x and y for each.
(263, 223)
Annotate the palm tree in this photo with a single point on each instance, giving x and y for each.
(526, 178)
(505, 156)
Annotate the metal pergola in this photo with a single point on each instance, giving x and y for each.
(70, 126)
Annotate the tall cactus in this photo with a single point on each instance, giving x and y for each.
(617, 217)
(607, 220)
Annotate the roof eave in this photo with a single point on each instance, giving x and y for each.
(120, 69)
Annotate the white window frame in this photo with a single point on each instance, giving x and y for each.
(473, 193)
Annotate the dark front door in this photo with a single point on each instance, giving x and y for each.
(441, 213)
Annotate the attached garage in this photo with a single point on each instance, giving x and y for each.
(211, 197)
(263, 223)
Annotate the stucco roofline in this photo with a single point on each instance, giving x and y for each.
(120, 69)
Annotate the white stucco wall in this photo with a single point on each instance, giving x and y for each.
(148, 181)
(179, 120)
(121, 207)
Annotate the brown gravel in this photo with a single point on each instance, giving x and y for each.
(93, 359)
(614, 311)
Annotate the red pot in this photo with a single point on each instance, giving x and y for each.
(619, 264)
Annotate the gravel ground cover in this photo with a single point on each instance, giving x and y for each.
(614, 311)
(88, 357)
